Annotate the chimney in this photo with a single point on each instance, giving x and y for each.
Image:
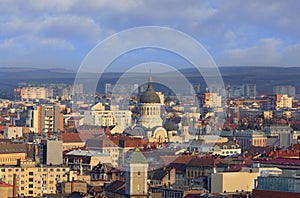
(72, 186)
(14, 185)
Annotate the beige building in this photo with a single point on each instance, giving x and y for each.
(6, 190)
(36, 93)
(283, 101)
(212, 100)
(11, 153)
(35, 181)
(71, 141)
(243, 181)
(74, 186)
(84, 161)
(226, 149)
(13, 132)
(98, 116)
(251, 138)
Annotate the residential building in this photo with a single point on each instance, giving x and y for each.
(226, 149)
(288, 89)
(36, 93)
(71, 141)
(11, 153)
(13, 132)
(162, 177)
(212, 100)
(249, 90)
(7, 190)
(35, 181)
(51, 152)
(69, 187)
(45, 118)
(283, 101)
(83, 161)
(276, 186)
(242, 181)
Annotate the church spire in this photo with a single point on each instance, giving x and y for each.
(150, 86)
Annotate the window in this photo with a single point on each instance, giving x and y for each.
(138, 173)
(30, 186)
(30, 179)
(30, 192)
(30, 173)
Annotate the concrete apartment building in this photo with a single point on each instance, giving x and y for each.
(244, 180)
(283, 101)
(30, 180)
(51, 152)
(36, 93)
(288, 89)
(45, 118)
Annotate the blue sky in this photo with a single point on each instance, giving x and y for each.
(60, 33)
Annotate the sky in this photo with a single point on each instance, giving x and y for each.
(60, 33)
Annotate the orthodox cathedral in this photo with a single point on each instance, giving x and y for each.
(150, 123)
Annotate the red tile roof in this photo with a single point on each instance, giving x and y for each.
(283, 161)
(71, 137)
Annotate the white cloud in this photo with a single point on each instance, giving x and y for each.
(266, 52)
(234, 31)
(70, 27)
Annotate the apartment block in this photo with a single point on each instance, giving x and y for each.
(30, 180)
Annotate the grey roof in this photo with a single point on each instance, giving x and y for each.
(137, 157)
(137, 131)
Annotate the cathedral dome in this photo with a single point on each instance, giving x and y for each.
(149, 96)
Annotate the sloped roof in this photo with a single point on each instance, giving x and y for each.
(137, 157)
(203, 161)
(70, 137)
(12, 148)
(114, 186)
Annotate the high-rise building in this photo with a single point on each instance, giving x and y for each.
(46, 118)
(289, 90)
(108, 88)
(249, 90)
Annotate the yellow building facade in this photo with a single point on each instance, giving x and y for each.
(35, 181)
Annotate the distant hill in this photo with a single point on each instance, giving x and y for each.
(264, 77)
